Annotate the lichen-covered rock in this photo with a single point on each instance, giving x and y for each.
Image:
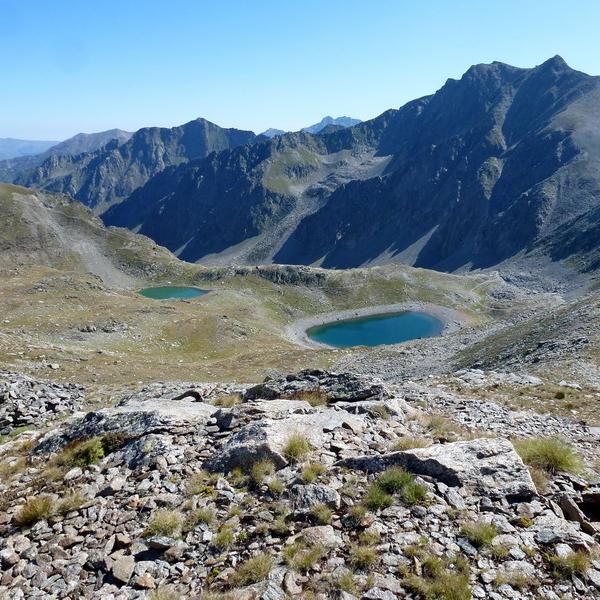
(266, 439)
(337, 386)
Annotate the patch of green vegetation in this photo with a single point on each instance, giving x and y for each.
(35, 509)
(409, 443)
(227, 400)
(377, 499)
(315, 397)
(164, 522)
(362, 557)
(313, 471)
(321, 513)
(260, 470)
(253, 570)
(293, 164)
(224, 538)
(296, 448)
(394, 481)
(440, 579)
(479, 533)
(302, 557)
(564, 567)
(548, 454)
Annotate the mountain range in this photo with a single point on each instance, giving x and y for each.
(21, 165)
(498, 167)
(13, 148)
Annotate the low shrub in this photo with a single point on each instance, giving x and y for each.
(413, 493)
(199, 515)
(409, 442)
(362, 557)
(276, 487)
(227, 400)
(69, 502)
(223, 539)
(393, 480)
(377, 499)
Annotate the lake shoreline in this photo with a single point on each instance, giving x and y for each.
(297, 332)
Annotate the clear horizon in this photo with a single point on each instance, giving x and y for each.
(76, 68)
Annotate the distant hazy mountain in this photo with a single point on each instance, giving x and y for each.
(317, 127)
(272, 132)
(11, 169)
(501, 165)
(12, 148)
(107, 175)
(341, 121)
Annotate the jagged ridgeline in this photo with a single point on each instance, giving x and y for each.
(501, 164)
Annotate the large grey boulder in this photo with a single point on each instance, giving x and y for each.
(134, 420)
(337, 386)
(266, 439)
(489, 467)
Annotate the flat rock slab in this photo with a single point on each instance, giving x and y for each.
(266, 439)
(489, 467)
(337, 386)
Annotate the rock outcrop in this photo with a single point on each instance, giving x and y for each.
(157, 497)
(486, 466)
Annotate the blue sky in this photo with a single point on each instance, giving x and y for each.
(78, 65)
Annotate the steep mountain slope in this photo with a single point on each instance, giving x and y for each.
(11, 170)
(240, 205)
(13, 148)
(38, 228)
(501, 164)
(500, 159)
(106, 176)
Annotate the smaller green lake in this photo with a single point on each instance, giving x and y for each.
(376, 330)
(168, 292)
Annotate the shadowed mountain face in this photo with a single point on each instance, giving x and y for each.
(113, 172)
(491, 167)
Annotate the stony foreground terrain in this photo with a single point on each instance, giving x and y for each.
(314, 485)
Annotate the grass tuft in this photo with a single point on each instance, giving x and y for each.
(296, 448)
(35, 509)
(564, 567)
(479, 534)
(549, 455)
(321, 513)
(253, 570)
(164, 522)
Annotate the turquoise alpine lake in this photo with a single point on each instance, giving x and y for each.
(172, 292)
(376, 330)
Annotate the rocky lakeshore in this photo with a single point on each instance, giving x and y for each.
(310, 485)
